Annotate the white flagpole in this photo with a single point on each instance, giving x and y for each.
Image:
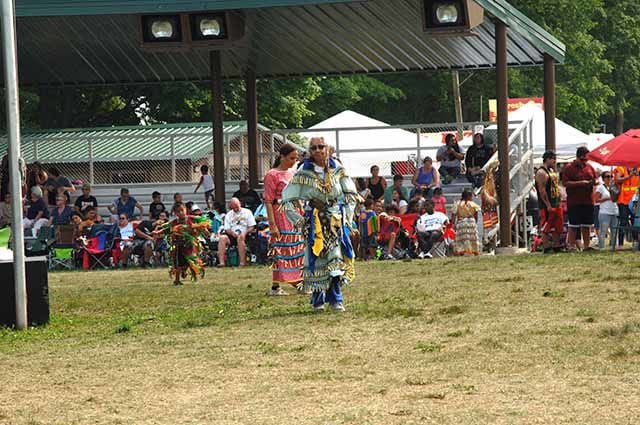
(9, 49)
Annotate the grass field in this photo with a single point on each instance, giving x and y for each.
(501, 340)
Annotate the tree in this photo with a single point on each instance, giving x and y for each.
(620, 29)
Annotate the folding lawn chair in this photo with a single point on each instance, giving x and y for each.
(5, 237)
(102, 245)
(41, 244)
(409, 225)
(61, 254)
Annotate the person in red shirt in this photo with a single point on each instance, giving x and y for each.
(579, 178)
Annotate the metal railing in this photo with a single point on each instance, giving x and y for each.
(521, 179)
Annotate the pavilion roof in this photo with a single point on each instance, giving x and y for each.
(95, 42)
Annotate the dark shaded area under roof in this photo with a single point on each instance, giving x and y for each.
(298, 38)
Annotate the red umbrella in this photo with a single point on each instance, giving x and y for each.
(623, 150)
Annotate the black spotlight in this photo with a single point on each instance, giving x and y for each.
(208, 27)
(456, 17)
(161, 29)
(216, 30)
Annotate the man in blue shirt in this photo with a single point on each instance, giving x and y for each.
(125, 204)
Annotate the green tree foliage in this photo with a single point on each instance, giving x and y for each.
(620, 27)
(582, 94)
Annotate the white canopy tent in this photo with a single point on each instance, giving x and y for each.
(568, 138)
(362, 141)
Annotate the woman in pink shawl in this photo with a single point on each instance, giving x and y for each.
(287, 244)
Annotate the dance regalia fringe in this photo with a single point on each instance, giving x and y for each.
(184, 246)
(326, 222)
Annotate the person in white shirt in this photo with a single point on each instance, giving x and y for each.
(126, 238)
(430, 228)
(238, 223)
(206, 181)
(608, 213)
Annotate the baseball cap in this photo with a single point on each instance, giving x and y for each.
(195, 208)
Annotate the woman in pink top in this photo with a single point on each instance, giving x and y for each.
(287, 244)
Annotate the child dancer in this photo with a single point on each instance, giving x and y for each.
(184, 248)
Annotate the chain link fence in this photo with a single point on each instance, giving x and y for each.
(128, 158)
(135, 159)
(394, 149)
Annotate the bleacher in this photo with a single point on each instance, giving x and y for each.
(105, 194)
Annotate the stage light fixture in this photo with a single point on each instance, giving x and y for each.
(447, 13)
(208, 27)
(161, 29)
(216, 30)
(210, 30)
(451, 17)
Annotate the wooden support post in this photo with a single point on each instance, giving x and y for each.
(550, 102)
(502, 88)
(252, 128)
(217, 121)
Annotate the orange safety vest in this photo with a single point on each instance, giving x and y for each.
(628, 187)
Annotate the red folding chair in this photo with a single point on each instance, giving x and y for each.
(409, 224)
(102, 245)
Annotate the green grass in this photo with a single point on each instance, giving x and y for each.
(531, 339)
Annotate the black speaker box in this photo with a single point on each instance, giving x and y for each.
(37, 292)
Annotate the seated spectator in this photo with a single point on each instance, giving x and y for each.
(430, 229)
(398, 202)
(126, 238)
(57, 183)
(439, 201)
(363, 190)
(217, 218)
(177, 199)
(376, 184)
(426, 178)
(260, 215)
(196, 211)
(37, 213)
(5, 211)
(61, 214)
(125, 204)
(389, 224)
(368, 225)
(76, 221)
(397, 185)
(86, 200)
(248, 198)
(477, 157)
(416, 203)
(90, 218)
(161, 247)
(238, 223)
(450, 157)
(156, 206)
(144, 241)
